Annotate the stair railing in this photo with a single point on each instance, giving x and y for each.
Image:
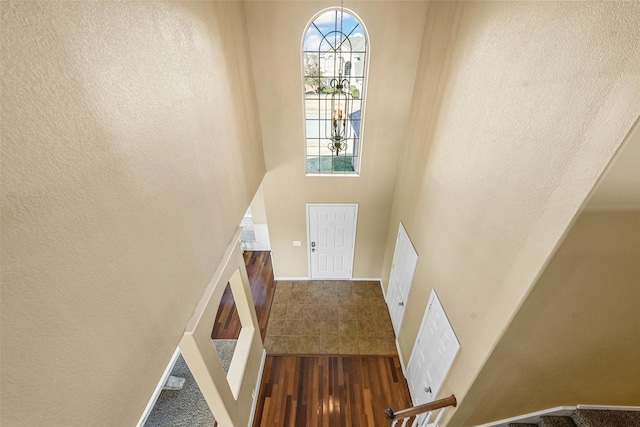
(428, 408)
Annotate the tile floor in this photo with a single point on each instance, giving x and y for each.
(329, 317)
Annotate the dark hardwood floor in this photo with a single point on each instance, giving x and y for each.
(330, 391)
(307, 390)
(260, 272)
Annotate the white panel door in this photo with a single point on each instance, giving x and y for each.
(331, 240)
(405, 259)
(433, 353)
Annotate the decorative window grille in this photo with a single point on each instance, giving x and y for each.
(335, 52)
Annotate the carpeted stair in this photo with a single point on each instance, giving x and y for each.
(187, 407)
(589, 418)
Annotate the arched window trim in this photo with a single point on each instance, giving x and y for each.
(361, 57)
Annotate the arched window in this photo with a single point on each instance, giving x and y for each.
(334, 59)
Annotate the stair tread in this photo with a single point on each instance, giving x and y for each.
(555, 421)
(606, 418)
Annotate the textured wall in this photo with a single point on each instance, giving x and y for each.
(518, 108)
(575, 339)
(276, 30)
(130, 151)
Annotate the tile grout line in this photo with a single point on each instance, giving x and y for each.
(350, 342)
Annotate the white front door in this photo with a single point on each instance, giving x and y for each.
(405, 259)
(433, 353)
(331, 240)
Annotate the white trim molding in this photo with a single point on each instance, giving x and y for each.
(558, 411)
(404, 371)
(533, 417)
(609, 408)
(256, 390)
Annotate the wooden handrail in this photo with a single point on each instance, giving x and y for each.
(420, 409)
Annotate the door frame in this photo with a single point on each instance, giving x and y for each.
(353, 245)
(433, 298)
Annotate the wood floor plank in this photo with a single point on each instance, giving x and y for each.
(331, 391)
(260, 271)
(309, 390)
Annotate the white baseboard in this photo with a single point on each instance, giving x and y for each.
(559, 411)
(533, 417)
(404, 371)
(366, 279)
(257, 389)
(290, 278)
(158, 390)
(610, 408)
(382, 289)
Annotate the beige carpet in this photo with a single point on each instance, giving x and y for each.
(187, 407)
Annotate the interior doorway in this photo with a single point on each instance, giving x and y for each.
(255, 231)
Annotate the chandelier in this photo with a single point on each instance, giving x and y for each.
(338, 102)
(339, 105)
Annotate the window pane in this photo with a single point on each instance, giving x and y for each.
(334, 63)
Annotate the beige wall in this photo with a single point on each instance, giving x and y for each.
(258, 211)
(276, 30)
(130, 151)
(619, 189)
(575, 339)
(517, 109)
(229, 395)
